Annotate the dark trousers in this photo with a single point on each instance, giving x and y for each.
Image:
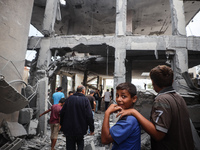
(106, 105)
(71, 142)
(99, 105)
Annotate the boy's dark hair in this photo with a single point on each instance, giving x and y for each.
(162, 76)
(62, 100)
(129, 87)
(91, 92)
(59, 89)
(70, 92)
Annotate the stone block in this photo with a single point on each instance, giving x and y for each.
(32, 130)
(25, 115)
(14, 129)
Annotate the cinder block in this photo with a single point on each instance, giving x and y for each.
(25, 115)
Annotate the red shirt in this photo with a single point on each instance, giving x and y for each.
(55, 114)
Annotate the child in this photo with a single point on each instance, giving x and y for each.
(54, 120)
(169, 125)
(125, 134)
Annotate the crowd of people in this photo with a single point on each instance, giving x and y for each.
(169, 124)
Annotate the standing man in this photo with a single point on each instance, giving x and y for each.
(54, 120)
(169, 127)
(107, 97)
(97, 97)
(75, 117)
(58, 95)
(92, 101)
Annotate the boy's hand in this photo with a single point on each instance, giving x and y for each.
(126, 112)
(91, 133)
(113, 108)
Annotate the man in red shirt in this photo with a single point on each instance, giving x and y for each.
(54, 120)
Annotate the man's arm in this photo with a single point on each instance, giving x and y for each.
(145, 123)
(94, 105)
(106, 137)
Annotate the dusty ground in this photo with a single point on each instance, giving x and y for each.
(91, 142)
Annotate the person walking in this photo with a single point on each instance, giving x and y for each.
(92, 101)
(54, 120)
(107, 98)
(58, 95)
(97, 97)
(169, 125)
(75, 117)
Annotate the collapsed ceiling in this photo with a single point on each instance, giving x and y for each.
(93, 17)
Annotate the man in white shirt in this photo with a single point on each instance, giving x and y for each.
(107, 97)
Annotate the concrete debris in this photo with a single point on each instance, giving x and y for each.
(32, 128)
(195, 115)
(14, 145)
(13, 129)
(10, 97)
(145, 141)
(25, 115)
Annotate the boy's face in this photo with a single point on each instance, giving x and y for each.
(124, 99)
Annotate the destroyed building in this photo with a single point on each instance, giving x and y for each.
(89, 40)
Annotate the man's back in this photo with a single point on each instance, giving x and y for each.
(107, 96)
(76, 115)
(57, 96)
(55, 111)
(175, 120)
(91, 99)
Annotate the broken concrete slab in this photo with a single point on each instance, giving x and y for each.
(10, 98)
(13, 129)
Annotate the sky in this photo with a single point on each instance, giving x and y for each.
(192, 29)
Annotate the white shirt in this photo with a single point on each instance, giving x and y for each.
(107, 96)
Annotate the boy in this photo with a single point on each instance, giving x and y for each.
(54, 120)
(125, 134)
(169, 127)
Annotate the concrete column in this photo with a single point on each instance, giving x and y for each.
(120, 51)
(97, 82)
(128, 69)
(121, 17)
(14, 25)
(180, 65)
(42, 105)
(42, 92)
(53, 88)
(52, 10)
(120, 56)
(180, 60)
(178, 17)
(104, 85)
(64, 85)
(73, 83)
(44, 54)
(129, 25)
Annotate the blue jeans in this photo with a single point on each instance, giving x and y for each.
(71, 142)
(97, 102)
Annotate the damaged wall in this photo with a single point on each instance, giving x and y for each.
(14, 24)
